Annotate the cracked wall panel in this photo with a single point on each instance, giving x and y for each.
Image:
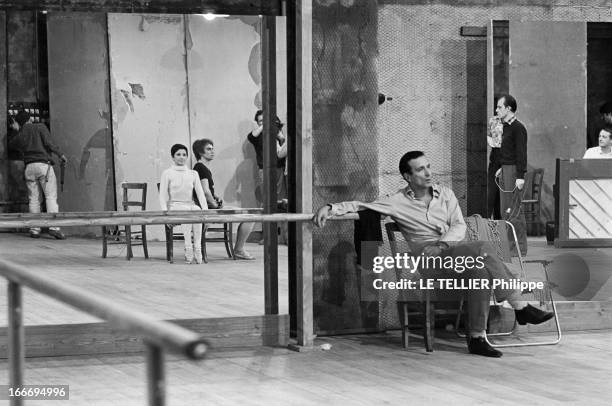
(224, 62)
(148, 98)
(21, 31)
(80, 110)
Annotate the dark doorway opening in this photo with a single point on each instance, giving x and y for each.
(599, 76)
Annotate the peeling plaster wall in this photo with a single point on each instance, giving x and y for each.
(80, 111)
(224, 67)
(148, 98)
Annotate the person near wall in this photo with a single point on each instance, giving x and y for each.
(430, 219)
(176, 189)
(494, 137)
(256, 139)
(513, 162)
(33, 140)
(604, 150)
(204, 152)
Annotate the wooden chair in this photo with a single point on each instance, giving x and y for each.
(226, 237)
(406, 308)
(533, 197)
(113, 235)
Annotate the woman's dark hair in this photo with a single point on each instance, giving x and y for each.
(177, 147)
(257, 114)
(404, 164)
(199, 147)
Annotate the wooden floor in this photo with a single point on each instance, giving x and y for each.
(221, 288)
(358, 370)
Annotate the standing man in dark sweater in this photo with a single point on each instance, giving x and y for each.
(513, 160)
(34, 142)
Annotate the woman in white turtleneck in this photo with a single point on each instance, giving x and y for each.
(176, 193)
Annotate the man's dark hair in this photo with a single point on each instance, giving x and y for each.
(404, 164)
(606, 129)
(178, 147)
(199, 147)
(257, 114)
(509, 102)
(22, 117)
(606, 108)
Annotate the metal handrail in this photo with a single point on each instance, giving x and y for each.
(158, 335)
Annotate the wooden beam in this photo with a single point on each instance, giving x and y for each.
(301, 51)
(223, 333)
(153, 217)
(235, 7)
(268, 88)
(4, 166)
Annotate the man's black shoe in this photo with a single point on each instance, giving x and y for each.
(532, 315)
(57, 234)
(479, 346)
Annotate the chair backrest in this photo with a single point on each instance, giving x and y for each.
(533, 184)
(496, 232)
(536, 187)
(127, 203)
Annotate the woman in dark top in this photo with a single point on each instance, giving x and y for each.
(204, 151)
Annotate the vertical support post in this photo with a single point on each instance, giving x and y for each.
(268, 84)
(4, 167)
(15, 338)
(299, 109)
(156, 383)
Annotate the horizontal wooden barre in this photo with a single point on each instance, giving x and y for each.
(165, 334)
(113, 214)
(157, 217)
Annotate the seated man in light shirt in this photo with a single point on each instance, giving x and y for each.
(604, 150)
(429, 216)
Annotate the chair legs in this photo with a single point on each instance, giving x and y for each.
(227, 235)
(429, 323)
(128, 241)
(227, 240)
(169, 244)
(104, 241)
(116, 237)
(144, 242)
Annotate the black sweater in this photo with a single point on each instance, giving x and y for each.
(513, 149)
(34, 141)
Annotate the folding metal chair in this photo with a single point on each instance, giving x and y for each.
(498, 232)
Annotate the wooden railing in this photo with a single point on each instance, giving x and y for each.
(158, 335)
